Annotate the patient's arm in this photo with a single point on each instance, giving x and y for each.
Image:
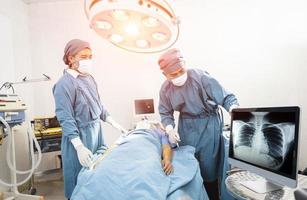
(167, 153)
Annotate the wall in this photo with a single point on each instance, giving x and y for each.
(257, 49)
(15, 64)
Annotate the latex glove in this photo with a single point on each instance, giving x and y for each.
(116, 125)
(167, 166)
(85, 156)
(173, 135)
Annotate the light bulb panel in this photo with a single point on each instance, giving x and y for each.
(150, 26)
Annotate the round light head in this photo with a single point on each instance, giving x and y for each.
(143, 26)
(120, 15)
(116, 38)
(159, 36)
(142, 43)
(104, 25)
(151, 22)
(132, 29)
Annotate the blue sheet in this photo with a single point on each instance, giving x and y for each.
(133, 170)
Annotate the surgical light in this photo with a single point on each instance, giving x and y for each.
(116, 38)
(120, 15)
(159, 36)
(103, 25)
(142, 43)
(150, 22)
(132, 29)
(143, 26)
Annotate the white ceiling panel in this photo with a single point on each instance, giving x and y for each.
(45, 1)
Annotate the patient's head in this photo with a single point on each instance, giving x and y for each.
(146, 124)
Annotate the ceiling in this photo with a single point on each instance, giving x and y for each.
(45, 1)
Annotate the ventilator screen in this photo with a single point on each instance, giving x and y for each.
(144, 106)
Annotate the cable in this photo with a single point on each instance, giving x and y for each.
(33, 164)
(31, 138)
(8, 85)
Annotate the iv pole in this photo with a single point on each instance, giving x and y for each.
(9, 85)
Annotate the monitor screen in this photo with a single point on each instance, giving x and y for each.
(266, 138)
(144, 106)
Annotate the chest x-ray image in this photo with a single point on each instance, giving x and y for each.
(265, 139)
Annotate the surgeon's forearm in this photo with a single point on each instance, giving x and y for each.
(167, 152)
(169, 120)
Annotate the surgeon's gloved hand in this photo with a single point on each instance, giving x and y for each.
(173, 135)
(85, 156)
(116, 125)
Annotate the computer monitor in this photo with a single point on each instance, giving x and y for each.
(144, 107)
(265, 141)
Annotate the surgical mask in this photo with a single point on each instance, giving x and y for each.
(85, 66)
(180, 81)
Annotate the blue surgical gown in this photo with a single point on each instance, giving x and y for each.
(79, 110)
(199, 122)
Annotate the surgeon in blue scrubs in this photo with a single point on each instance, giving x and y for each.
(79, 111)
(196, 95)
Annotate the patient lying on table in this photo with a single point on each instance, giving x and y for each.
(131, 169)
(156, 128)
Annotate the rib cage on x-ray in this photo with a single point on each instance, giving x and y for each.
(263, 143)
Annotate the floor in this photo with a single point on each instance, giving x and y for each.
(50, 185)
(51, 190)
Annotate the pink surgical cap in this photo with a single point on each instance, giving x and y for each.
(73, 47)
(171, 61)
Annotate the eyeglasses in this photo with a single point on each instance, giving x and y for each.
(175, 74)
